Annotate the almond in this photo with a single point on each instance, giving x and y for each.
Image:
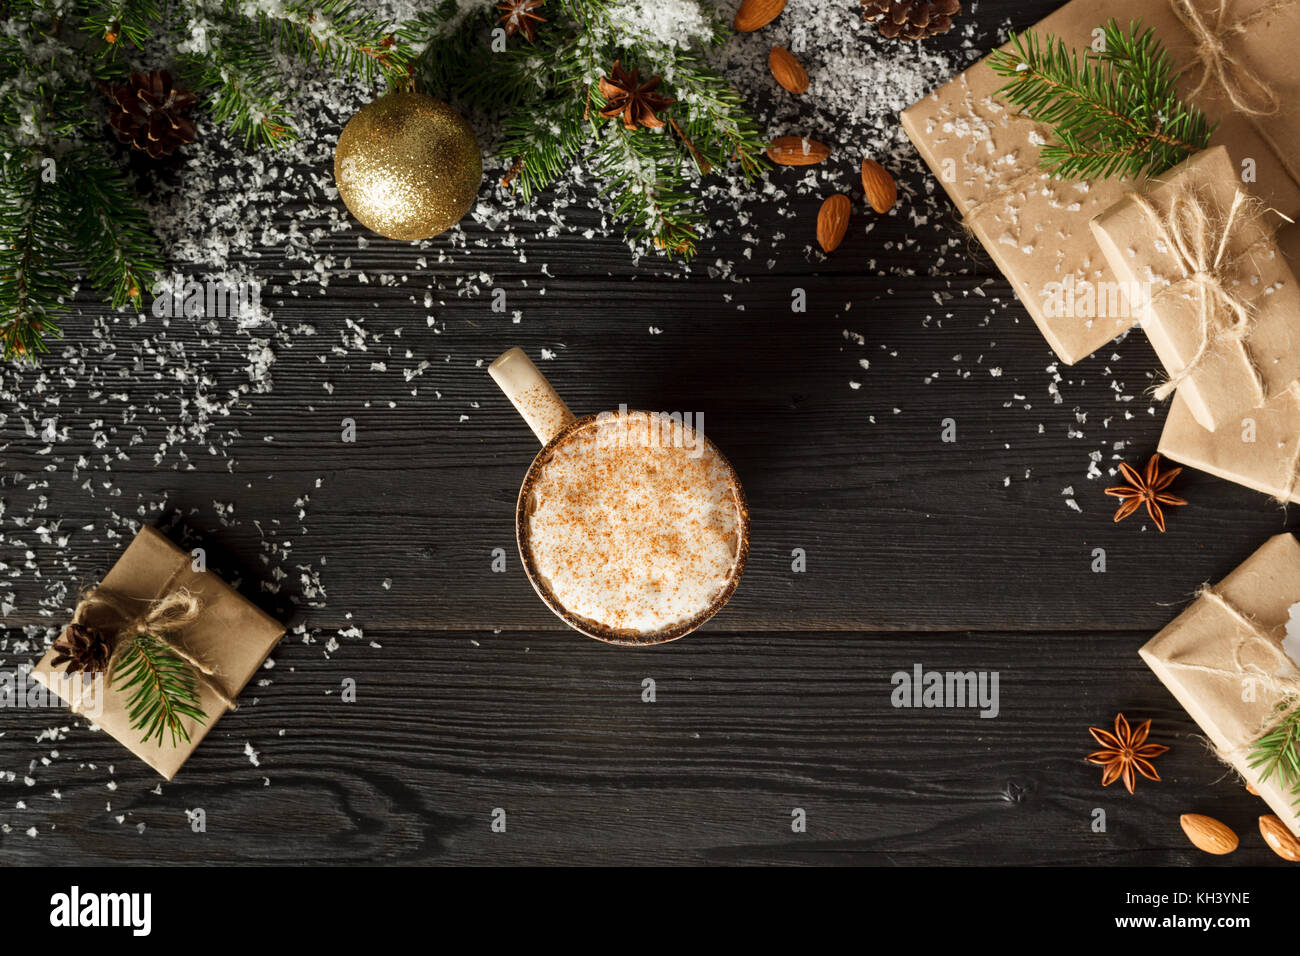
(881, 190)
(833, 221)
(1208, 834)
(797, 151)
(1279, 839)
(787, 70)
(754, 14)
(1250, 788)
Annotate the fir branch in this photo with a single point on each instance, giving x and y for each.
(549, 92)
(544, 143)
(34, 277)
(334, 33)
(1116, 112)
(122, 23)
(638, 183)
(240, 78)
(112, 232)
(163, 686)
(1277, 753)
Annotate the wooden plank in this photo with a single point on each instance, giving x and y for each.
(446, 727)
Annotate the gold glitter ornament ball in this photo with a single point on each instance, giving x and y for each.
(407, 166)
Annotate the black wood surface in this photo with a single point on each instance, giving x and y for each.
(471, 696)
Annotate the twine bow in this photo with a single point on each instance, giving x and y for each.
(165, 617)
(1198, 236)
(1245, 90)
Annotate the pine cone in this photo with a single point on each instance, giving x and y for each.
(83, 649)
(911, 19)
(148, 113)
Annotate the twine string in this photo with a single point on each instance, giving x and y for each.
(165, 617)
(1211, 31)
(1198, 238)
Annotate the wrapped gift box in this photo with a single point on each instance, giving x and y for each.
(231, 636)
(1222, 658)
(1036, 228)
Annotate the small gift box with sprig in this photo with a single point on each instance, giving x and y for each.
(158, 652)
(1230, 659)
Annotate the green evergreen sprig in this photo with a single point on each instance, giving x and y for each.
(548, 93)
(68, 211)
(1277, 753)
(1115, 111)
(163, 689)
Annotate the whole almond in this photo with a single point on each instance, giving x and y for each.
(755, 14)
(1279, 838)
(833, 221)
(1208, 834)
(881, 190)
(797, 151)
(787, 70)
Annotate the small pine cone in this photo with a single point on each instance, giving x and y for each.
(148, 113)
(911, 19)
(82, 648)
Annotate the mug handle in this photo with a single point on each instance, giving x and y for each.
(531, 394)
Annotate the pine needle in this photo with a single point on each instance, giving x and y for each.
(1113, 112)
(1277, 753)
(549, 93)
(163, 689)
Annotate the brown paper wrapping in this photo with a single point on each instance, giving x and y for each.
(1207, 655)
(232, 636)
(1224, 383)
(1261, 450)
(1036, 228)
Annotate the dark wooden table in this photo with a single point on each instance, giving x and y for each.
(471, 696)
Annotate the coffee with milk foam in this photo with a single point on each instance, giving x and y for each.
(634, 522)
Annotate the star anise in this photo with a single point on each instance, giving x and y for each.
(1147, 489)
(1125, 751)
(637, 102)
(82, 648)
(518, 17)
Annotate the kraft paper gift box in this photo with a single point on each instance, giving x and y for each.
(985, 154)
(1209, 283)
(231, 637)
(1222, 658)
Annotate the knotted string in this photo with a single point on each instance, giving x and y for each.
(1211, 31)
(165, 617)
(1198, 238)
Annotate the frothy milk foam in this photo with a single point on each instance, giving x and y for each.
(634, 522)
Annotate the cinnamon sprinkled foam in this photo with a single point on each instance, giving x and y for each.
(634, 522)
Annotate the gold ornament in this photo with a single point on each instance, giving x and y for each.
(407, 166)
